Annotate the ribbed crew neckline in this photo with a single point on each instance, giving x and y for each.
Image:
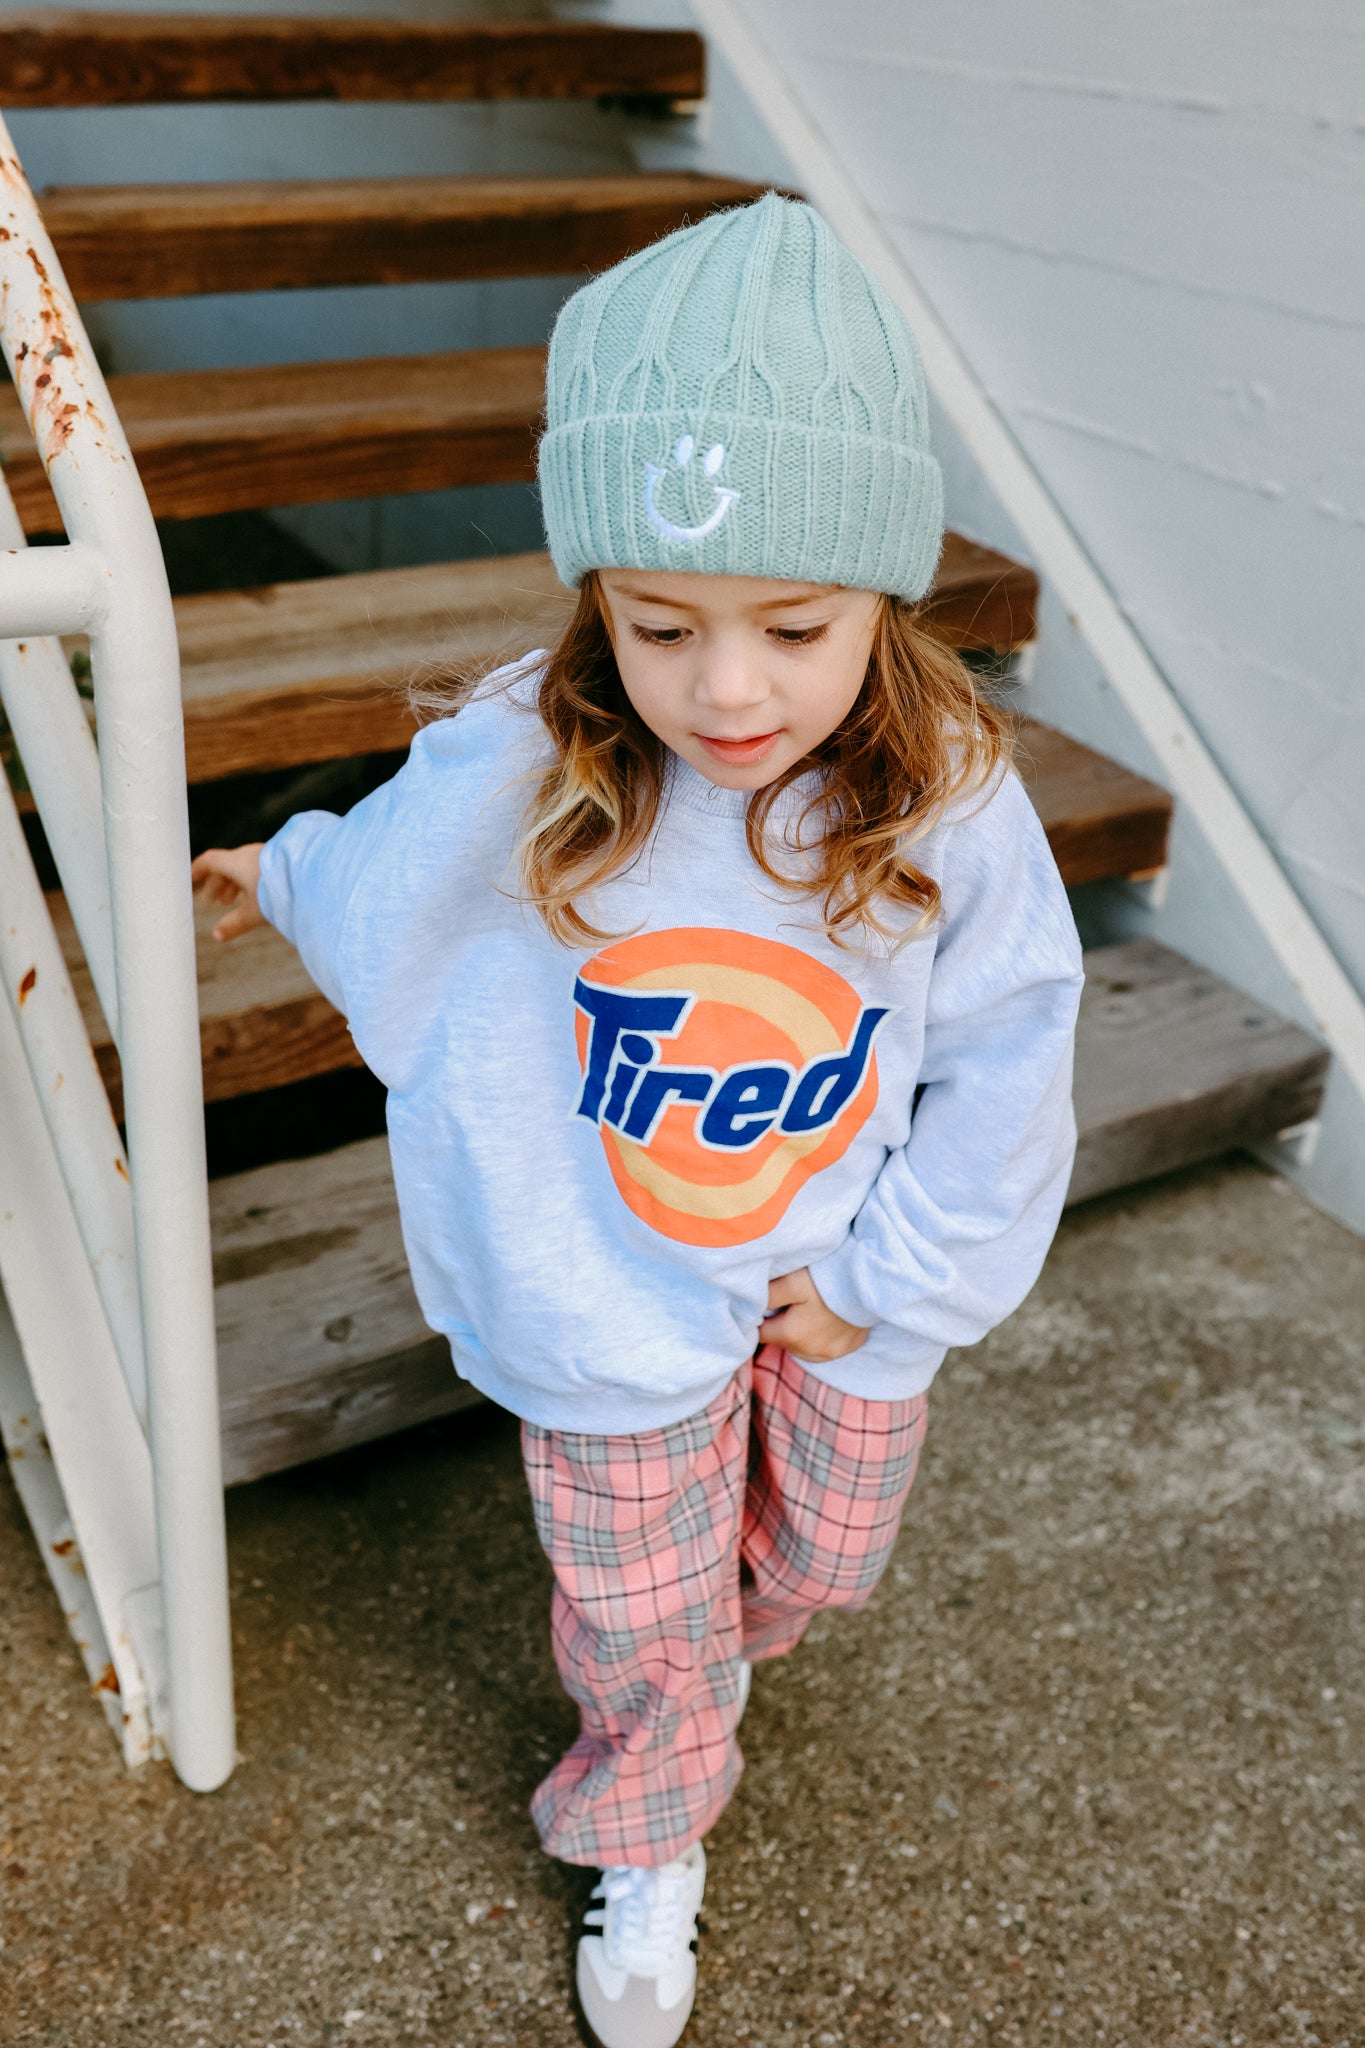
(687, 786)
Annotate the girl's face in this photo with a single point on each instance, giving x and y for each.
(743, 676)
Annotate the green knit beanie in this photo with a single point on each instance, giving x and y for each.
(741, 399)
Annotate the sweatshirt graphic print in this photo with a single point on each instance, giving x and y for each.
(603, 1157)
(723, 1070)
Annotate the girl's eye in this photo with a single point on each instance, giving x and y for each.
(799, 636)
(658, 636)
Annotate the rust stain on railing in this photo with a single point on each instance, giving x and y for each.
(53, 407)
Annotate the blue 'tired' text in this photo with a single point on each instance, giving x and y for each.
(626, 1086)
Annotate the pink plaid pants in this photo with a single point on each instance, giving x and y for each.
(679, 1549)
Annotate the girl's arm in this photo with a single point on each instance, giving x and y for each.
(306, 878)
(955, 1230)
(308, 874)
(410, 837)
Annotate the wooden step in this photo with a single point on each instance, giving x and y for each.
(322, 1345)
(982, 602)
(1174, 1065)
(294, 433)
(313, 671)
(169, 241)
(71, 58)
(1102, 820)
(263, 1023)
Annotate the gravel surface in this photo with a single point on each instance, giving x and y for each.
(1089, 1770)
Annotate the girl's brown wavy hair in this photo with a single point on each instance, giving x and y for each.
(919, 737)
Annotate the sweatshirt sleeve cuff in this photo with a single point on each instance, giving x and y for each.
(272, 890)
(836, 1285)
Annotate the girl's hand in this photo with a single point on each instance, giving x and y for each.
(798, 1320)
(230, 875)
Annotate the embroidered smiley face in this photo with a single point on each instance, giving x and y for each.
(683, 455)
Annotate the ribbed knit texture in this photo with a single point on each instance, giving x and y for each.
(742, 399)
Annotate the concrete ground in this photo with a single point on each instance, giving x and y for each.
(1088, 1771)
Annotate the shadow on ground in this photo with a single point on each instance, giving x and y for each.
(1088, 1771)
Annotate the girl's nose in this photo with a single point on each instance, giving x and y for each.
(729, 679)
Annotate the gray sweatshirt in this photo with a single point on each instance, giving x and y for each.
(603, 1155)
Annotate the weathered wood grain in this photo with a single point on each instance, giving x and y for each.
(294, 433)
(71, 58)
(1101, 819)
(315, 671)
(168, 241)
(321, 1343)
(1174, 1065)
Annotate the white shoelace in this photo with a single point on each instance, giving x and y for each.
(646, 1921)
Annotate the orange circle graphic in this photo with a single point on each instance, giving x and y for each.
(752, 1003)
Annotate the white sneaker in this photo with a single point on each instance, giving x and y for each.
(638, 1976)
(746, 1679)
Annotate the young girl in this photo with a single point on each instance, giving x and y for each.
(724, 989)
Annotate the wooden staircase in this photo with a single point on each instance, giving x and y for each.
(321, 1342)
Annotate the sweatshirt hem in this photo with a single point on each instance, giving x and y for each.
(635, 1413)
(875, 1380)
(590, 1413)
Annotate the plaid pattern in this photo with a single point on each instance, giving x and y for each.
(678, 1548)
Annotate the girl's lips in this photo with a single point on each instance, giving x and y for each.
(739, 751)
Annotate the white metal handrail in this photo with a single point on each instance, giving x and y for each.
(76, 1109)
(57, 748)
(110, 582)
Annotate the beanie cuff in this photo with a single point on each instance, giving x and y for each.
(731, 495)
